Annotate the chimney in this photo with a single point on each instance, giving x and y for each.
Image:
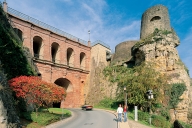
(89, 43)
(5, 6)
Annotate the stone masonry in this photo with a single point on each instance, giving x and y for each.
(59, 59)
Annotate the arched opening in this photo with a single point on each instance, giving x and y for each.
(66, 84)
(37, 44)
(54, 52)
(82, 60)
(155, 18)
(70, 57)
(19, 33)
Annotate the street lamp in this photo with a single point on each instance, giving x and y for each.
(125, 95)
(150, 96)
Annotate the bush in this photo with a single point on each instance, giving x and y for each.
(185, 125)
(143, 116)
(160, 122)
(165, 113)
(107, 103)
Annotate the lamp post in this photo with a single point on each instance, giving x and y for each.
(150, 96)
(125, 95)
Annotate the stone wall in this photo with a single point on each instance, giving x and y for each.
(98, 86)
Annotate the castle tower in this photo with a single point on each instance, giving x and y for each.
(155, 17)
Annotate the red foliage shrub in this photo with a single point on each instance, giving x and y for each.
(36, 91)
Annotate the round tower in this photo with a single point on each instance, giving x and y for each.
(155, 17)
(123, 52)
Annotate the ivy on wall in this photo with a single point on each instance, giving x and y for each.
(12, 57)
(150, 39)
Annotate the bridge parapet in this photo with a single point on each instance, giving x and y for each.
(34, 21)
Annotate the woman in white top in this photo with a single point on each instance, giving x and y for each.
(120, 111)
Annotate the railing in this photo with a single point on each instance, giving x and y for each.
(44, 25)
(100, 42)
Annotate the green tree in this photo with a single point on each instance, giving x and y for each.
(137, 81)
(175, 92)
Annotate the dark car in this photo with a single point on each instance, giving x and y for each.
(87, 107)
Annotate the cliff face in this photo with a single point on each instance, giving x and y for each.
(160, 48)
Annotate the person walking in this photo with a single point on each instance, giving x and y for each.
(125, 109)
(120, 111)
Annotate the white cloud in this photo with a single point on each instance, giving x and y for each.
(92, 13)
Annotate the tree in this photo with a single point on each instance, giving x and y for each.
(175, 92)
(35, 91)
(138, 81)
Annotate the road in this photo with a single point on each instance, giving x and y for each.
(88, 119)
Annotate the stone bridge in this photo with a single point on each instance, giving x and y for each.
(60, 58)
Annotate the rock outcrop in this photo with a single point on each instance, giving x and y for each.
(158, 42)
(8, 115)
(160, 48)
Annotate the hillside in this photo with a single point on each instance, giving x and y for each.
(13, 63)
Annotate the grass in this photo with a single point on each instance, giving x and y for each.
(43, 117)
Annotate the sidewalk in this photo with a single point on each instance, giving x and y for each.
(129, 124)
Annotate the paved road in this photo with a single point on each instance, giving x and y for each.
(89, 119)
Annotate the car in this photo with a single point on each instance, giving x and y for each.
(87, 107)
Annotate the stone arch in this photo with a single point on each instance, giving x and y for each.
(82, 60)
(19, 33)
(37, 47)
(70, 57)
(67, 85)
(155, 18)
(55, 52)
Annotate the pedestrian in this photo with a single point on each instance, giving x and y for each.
(119, 112)
(125, 110)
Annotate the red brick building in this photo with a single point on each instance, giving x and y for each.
(60, 57)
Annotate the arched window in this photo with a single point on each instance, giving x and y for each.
(54, 52)
(37, 44)
(82, 60)
(70, 57)
(155, 18)
(19, 33)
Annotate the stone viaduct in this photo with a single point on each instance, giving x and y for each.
(60, 58)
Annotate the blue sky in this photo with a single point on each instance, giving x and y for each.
(111, 21)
